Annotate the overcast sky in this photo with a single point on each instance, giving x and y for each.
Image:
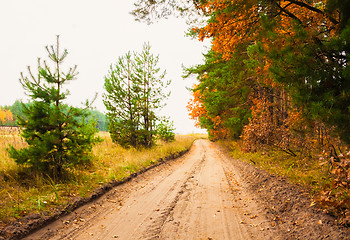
(95, 33)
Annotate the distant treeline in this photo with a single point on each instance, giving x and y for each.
(9, 114)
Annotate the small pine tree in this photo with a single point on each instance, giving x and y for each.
(165, 130)
(58, 136)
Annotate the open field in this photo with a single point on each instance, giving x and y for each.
(23, 192)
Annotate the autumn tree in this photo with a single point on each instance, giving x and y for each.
(223, 92)
(297, 73)
(195, 107)
(303, 44)
(300, 40)
(5, 116)
(56, 139)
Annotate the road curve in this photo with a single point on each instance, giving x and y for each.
(198, 196)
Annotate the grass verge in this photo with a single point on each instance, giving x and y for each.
(308, 172)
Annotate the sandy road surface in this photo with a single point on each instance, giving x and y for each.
(198, 196)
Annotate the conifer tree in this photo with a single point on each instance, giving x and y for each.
(134, 94)
(152, 92)
(121, 101)
(58, 136)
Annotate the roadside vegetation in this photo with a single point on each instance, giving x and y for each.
(309, 172)
(327, 180)
(23, 191)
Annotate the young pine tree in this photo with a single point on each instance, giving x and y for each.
(121, 101)
(153, 93)
(165, 130)
(134, 93)
(58, 136)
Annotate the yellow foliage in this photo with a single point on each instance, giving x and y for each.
(5, 115)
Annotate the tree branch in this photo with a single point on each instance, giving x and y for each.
(302, 4)
(291, 15)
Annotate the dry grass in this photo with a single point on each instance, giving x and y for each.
(23, 192)
(304, 171)
(120, 162)
(9, 136)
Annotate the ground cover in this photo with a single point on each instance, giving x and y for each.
(313, 173)
(307, 171)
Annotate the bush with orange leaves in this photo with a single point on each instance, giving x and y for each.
(336, 195)
(198, 113)
(195, 107)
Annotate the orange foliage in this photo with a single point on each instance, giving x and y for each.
(195, 107)
(218, 131)
(275, 121)
(268, 124)
(5, 115)
(197, 111)
(243, 22)
(229, 27)
(335, 197)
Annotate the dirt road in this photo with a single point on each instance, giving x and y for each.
(198, 196)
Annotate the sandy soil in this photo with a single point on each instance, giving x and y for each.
(203, 195)
(195, 197)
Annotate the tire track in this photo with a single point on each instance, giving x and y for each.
(153, 232)
(195, 197)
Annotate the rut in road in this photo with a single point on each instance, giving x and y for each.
(198, 196)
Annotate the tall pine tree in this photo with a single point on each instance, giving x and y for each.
(152, 92)
(121, 101)
(58, 136)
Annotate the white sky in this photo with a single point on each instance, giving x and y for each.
(95, 33)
